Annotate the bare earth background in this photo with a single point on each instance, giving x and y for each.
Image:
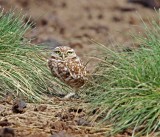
(72, 23)
(75, 22)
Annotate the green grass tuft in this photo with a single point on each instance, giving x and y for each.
(127, 87)
(23, 66)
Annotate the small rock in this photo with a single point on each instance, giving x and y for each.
(82, 122)
(100, 16)
(41, 108)
(132, 20)
(116, 19)
(64, 5)
(7, 132)
(58, 125)
(4, 123)
(23, 3)
(19, 106)
(44, 22)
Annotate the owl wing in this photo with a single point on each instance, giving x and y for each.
(52, 64)
(72, 72)
(76, 69)
(58, 68)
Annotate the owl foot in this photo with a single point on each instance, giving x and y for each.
(71, 95)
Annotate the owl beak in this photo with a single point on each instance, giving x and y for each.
(63, 56)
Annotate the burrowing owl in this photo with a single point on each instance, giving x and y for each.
(67, 66)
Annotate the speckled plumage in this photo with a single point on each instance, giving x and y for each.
(67, 66)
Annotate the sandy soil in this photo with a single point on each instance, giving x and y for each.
(71, 23)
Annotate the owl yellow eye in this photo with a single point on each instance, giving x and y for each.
(69, 52)
(57, 52)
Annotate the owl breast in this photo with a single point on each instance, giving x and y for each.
(70, 72)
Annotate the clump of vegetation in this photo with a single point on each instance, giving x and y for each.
(127, 88)
(23, 66)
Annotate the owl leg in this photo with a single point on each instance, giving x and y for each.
(72, 95)
(69, 95)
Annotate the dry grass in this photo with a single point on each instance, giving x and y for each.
(125, 92)
(23, 66)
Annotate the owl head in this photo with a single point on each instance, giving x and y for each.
(63, 53)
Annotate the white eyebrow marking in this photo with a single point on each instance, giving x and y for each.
(70, 50)
(57, 48)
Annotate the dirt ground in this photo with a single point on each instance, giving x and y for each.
(72, 23)
(59, 118)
